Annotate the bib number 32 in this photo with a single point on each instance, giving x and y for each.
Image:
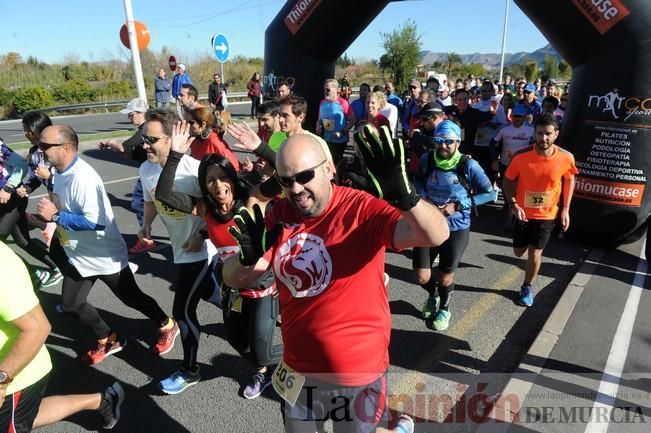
(287, 382)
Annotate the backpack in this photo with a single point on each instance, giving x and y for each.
(460, 170)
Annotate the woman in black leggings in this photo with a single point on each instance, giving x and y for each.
(13, 218)
(250, 314)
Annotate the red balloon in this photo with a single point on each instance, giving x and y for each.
(142, 34)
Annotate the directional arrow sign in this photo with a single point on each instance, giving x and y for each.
(220, 47)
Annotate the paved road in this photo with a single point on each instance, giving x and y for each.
(11, 131)
(487, 338)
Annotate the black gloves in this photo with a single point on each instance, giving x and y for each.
(252, 235)
(385, 161)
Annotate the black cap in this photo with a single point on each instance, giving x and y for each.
(430, 109)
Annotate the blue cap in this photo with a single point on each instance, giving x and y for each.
(519, 110)
(530, 88)
(448, 129)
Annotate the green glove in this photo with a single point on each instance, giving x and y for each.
(252, 235)
(385, 162)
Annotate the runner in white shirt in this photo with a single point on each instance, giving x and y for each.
(196, 273)
(89, 246)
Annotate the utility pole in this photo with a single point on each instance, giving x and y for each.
(506, 23)
(135, 51)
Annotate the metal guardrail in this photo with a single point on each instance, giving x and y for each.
(107, 104)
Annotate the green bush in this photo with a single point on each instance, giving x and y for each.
(31, 98)
(115, 90)
(6, 96)
(74, 91)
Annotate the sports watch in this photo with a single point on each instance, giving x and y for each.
(55, 217)
(5, 379)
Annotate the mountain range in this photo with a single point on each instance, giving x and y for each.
(492, 61)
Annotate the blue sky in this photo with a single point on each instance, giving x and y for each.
(51, 29)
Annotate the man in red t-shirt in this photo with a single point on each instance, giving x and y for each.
(326, 244)
(532, 188)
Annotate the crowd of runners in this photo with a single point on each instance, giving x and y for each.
(294, 234)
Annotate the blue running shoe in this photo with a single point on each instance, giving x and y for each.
(526, 296)
(259, 382)
(179, 381)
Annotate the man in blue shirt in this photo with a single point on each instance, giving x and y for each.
(359, 105)
(180, 78)
(392, 98)
(446, 178)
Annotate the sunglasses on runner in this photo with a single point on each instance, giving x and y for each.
(45, 146)
(150, 139)
(301, 178)
(447, 141)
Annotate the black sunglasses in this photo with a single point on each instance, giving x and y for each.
(150, 139)
(45, 146)
(301, 178)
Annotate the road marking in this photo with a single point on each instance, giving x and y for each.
(458, 331)
(618, 352)
(105, 183)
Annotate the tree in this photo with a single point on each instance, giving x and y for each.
(531, 71)
(402, 53)
(564, 70)
(344, 61)
(550, 68)
(453, 60)
(437, 65)
(11, 59)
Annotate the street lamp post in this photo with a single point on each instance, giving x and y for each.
(506, 23)
(135, 51)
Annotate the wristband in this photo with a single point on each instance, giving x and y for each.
(512, 204)
(9, 189)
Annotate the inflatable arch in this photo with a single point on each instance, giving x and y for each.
(608, 123)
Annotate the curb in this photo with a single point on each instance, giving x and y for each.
(540, 348)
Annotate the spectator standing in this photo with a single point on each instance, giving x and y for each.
(392, 98)
(180, 78)
(163, 87)
(217, 94)
(254, 90)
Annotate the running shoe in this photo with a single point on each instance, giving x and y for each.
(431, 306)
(39, 277)
(114, 345)
(53, 280)
(526, 296)
(142, 246)
(179, 381)
(405, 424)
(166, 339)
(109, 408)
(259, 382)
(442, 320)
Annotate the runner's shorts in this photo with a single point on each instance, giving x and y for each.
(534, 233)
(19, 409)
(358, 409)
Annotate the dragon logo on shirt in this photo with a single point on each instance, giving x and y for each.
(304, 265)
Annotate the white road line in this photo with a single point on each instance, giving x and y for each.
(618, 352)
(105, 183)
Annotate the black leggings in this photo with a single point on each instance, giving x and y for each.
(13, 221)
(255, 103)
(76, 288)
(195, 280)
(251, 331)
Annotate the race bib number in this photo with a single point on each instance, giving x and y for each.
(328, 124)
(537, 199)
(287, 382)
(64, 240)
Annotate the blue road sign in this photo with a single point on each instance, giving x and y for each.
(220, 47)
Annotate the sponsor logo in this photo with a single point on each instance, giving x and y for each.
(602, 14)
(301, 11)
(623, 194)
(620, 106)
(303, 264)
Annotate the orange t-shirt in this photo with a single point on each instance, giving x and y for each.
(539, 180)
